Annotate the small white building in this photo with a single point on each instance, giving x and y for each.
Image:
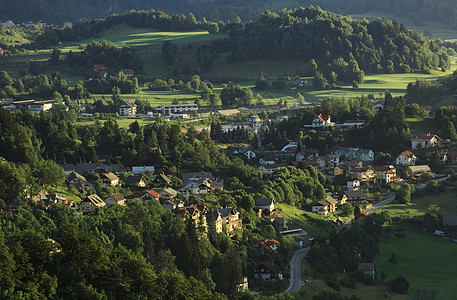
(353, 185)
(321, 121)
(176, 109)
(425, 141)
(405, 158)
(127, 109)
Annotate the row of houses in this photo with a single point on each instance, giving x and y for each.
(30, 105)
(330, 204)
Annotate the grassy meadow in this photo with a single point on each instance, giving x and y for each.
(428, 262)
(308, 221)
(419, 206)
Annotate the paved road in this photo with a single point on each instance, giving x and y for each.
(423, 185)
(295, 270)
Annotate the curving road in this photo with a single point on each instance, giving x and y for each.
(295, 270)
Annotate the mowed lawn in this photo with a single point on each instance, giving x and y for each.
(419, 206)
(428, 262)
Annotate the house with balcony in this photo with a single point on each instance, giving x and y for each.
(425, 141)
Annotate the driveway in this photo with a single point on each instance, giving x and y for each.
(295, 270)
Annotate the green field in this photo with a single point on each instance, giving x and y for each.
(362, 291)
(310, 222)
(421, 126)
(157, 98)
(419, 206)
(428, 262)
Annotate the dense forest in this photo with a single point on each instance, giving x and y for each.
(334, 42)
(215, 10)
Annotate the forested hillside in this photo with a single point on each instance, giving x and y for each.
(215, 10)
(334, 41)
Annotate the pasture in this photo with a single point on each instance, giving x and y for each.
(428, 262)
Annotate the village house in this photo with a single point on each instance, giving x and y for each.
(33, 106)
(8, 23)
(129, 73)
(162, 179)
(363, 173)
(226, 112)
(322, 121)
(267, 160)
(140, 169)
(354, 153)
(270, 169)
(196, 212)
(127, 108)
(353, 185)
(442, 154)
(386, 173)
(47, 199)
(176, 109)
(110, 179)
(366, 268)
(90, 203)
(227, 220)
(136, 180)
(1, 52)
(341, 198)
(253, 119)
(268, 271)
(355, 197)
(78, 181)
(169, 205)
(98, 67)
(115, 199)
(167, 192)
(280, 224)
(325, 206)
(266, 246)
(415, 171)
(425, 141)
(320, 208)
(248, 153)
(148, 196)
(309, 154)
(265, 204)
(329, 161)
(406, 158)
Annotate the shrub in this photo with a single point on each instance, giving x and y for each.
(399, 285)
(348, 282)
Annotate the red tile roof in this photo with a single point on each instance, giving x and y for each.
(153, 194)
(408, 154)
(322, 117)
